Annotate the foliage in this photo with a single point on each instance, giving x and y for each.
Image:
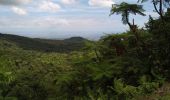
(46, 45)
(127, 66)
(125, 9)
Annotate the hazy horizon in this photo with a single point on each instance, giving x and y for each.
(63, 18)
(91, 36)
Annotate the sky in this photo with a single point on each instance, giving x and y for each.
(64, 18)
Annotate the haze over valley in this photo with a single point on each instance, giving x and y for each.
(84, 49)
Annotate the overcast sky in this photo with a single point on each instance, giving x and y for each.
(63, 18)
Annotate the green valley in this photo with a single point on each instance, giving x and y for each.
(133, 65)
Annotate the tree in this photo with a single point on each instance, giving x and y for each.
(125, 9)
(159, 5)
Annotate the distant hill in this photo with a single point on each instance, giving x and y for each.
(46, 45)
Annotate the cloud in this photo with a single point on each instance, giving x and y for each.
(68, 2)
(14, 5)
(55, 23)
(49, 6)
(19, 11)
(76, 16)
(14, 2)
(48, 22)
(101, 3)
(33, 22)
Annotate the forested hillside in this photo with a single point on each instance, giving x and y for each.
(134, 65)
(46, 45)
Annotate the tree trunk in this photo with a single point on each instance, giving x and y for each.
(127, 20)
(161, 9)
(156, 9)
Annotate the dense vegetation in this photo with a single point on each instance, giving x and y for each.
(46, 45)
(133, 65)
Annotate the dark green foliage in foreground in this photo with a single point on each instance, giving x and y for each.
(123, 67)
(127, 66)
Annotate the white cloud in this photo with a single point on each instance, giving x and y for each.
(14, 2)
(68, 2)
(33, 23)
(19, 11)
(49, 6)
(50, 22)
(101, 3)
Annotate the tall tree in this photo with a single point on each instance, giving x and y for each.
(125, 10)
(159, 5)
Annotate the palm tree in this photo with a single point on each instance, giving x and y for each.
(158, 5)
(125, 10)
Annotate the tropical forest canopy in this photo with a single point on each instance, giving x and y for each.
(134, 65)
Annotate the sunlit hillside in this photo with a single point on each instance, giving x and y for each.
(132, 63)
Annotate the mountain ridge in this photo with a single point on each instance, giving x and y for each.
(46, 45)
